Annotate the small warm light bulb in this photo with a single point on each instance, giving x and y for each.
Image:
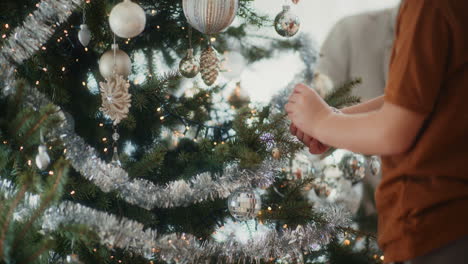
(37, 82)
(86, 49)
(63, 69)
(161, 118)
(104, 139)
(285, 226)
(382, 258)
(101, 124)
(44, 69)
(347, 242)
(269, 208)
(72, 192)
(51, 173)
(83, 83)
(105, 149)
(21, 148)
(7, 26)
(213, 39)
(29, 162)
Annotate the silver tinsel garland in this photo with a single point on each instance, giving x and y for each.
(25, 40)
(182, 248)
(143, 193)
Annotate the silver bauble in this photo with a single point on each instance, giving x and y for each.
(84, 35)
(189, 66)
(374, 165)
(123, 64)
(287, 24)
(42, 158)
(244, 204)
(353, 167)
(208, 16)
(127, 19)
(209, 65)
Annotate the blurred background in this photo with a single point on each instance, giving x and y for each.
(264, 78)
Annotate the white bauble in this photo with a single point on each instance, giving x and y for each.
(232, 65)
(209, 16)
(127, 19)
(123, 64)
(84, 35)
(42, 158)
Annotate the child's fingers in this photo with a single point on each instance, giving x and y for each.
(307, 140)
(292, 98)
(289, 108)
(299, 88)
(293, 129)
(300, 135)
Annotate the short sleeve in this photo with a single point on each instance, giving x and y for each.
(420, 57)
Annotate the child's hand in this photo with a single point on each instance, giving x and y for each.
(315, 146)
(306, 109)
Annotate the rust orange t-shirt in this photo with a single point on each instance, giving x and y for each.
(423, 197)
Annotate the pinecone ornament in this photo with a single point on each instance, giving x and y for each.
(209, 65)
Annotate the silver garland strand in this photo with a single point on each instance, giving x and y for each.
(183, 248)
(25, 40)
(143, 193)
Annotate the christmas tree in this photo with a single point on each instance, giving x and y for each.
(137, 166)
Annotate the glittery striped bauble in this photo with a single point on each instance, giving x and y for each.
(210, 16)
(209, 65)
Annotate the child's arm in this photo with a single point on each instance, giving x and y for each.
(388, 131)
(369, 106)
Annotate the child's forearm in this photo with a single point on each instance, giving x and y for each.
(388, 131)
(369, 106)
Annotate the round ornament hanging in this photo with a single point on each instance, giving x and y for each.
(84, 35)
(244, 204)
(122, 63)
(209, 65)
(287, 24)
(353, 167)
(42, 158)
(208, 16)
(188, 66)
(127, 19)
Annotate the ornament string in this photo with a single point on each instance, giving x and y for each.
(190, 36)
